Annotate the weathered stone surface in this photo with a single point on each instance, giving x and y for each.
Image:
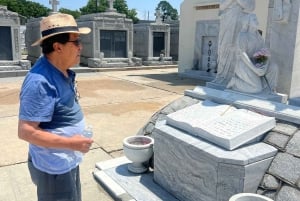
(293, 147)
(286, 167)
(178, 104)
(202, 181)
(161, 115)
(193, 169)
(288, 193)
(147, 129)
(270, 194)
(270, 182)
(285, 128)
(277, 139)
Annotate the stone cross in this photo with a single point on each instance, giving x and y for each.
(54, 4)
(158, 16)
(111, 4)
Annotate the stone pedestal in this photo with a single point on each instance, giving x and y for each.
(193, 169)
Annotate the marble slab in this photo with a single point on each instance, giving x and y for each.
(123, 185)
(275, 109)
(221, 124)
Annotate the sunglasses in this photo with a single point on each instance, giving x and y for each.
(76, 42)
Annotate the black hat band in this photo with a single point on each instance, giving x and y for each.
(58, 30)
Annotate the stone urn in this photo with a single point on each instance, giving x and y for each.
(138, 149)
(249, 197)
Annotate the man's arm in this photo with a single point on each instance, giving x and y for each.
(32, 133)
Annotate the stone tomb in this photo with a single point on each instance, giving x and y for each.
(10, 42)
(198, 39)
(192, 169)
(221, 124)
(152, 42)
(199, 30)
(110, 43)
(206, 47)
(32, 34)
(198, 169)
(174, 39)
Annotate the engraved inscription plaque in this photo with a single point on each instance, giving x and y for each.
(223, 125)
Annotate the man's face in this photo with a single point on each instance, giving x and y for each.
(72, 50)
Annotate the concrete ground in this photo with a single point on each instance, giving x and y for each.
(116, 103)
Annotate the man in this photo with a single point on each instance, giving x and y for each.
(50, 118)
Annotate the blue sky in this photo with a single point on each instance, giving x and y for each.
(142, 6)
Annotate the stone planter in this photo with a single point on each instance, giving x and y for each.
(249, 197)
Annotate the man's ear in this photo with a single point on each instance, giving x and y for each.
(57, 47)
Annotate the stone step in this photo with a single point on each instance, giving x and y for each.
(10, 68)
(116, 64)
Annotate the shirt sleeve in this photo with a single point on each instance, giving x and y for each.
(37, 101)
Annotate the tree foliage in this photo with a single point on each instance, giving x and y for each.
(31, 9)
(98, 6)
(74, 13)
(94, 6)
(132, 14)
(25, 8)
(167, 10)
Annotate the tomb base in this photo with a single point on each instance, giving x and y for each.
(193, 169)
(277, 97)
(155, 61)
(113, 62)
(15, 65)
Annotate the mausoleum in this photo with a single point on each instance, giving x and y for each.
(32, 34)
(174, 39)
(110, 43)
(199, 32)
(10, 42)
(152, 42)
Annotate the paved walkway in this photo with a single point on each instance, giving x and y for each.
(116, 103)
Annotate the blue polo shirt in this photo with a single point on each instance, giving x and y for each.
(48, 97)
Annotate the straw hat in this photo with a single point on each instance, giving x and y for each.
(57, 24)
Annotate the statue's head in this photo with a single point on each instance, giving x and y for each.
(247, 5)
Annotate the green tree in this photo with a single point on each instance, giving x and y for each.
(98, 6)
(25, 8)
(167, 10)
(74, 13)
(132, 14)
(94, 6)
(121, 7)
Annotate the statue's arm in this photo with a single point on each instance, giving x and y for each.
(250, 65)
